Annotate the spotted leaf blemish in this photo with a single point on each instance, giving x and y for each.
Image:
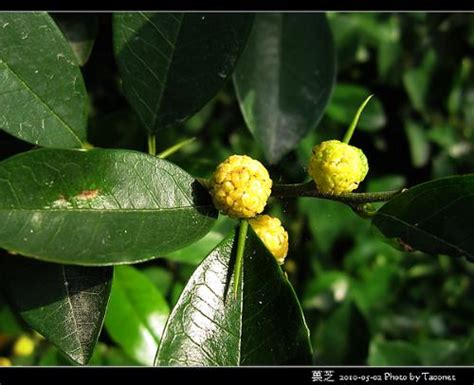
(87, 194)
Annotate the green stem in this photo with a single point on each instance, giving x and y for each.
(364, 210)
(308, 189)
(152, 144)
(240, 254)
(171, 150)
(352, 127)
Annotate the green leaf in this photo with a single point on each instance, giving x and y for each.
(264, 325)
(43, 99)
(393, 353)
(104, 355)
(443, 165)
(195, 253)
(377, 287)
(80, 30)
(462, 84)
(175, 293)
(417, 82)
(136, 315)
(343, 338)
(434, 217)
(444, 135)
(66, 304)
(467, 350)
(347, 37)
(9, 323)
(99, 207)
(284, 79)
(51, 356)
(389, 55)
(160, 276)
(430, 352)
(419, 144)
(172, 64)
(439, 352)
(345, 102)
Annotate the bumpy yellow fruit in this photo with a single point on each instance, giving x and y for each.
(240, 186)
(337, 167)
(24, 346)
(272, 234)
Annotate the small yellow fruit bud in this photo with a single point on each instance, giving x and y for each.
(4, 361)
(337, 167)
(240, 186)
(272, 234)
(23, 346)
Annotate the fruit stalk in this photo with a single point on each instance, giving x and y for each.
(152, 144)
(308, 189)
(240, 254)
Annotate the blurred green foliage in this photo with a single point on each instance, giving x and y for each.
(365, 302)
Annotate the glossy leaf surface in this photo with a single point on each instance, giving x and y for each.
(66, 304)
(136, 315)
(174, 63)
(264, 325)
(284, 78)
(99, 207)
(434, 217)
(43, 99)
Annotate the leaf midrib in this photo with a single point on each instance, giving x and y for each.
(428, 234)
(44, 103)
(165, 79)
(71, 307)
(272, 141)
(110, 210)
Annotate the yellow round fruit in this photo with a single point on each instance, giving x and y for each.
(337, 167)
(272, 234)
(240, 187)
(23, 346)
